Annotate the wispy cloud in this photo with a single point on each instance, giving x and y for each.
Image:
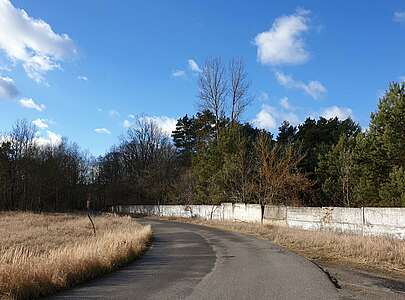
(31, 104)
(283, 42)
(263, 96)
(128, 124)
(32, 42)
(314, 88)
(8, 90)
(82, 77)
(285, 103)
(179, 74)
(41, 123)
(399, 16)
(194, 66)
(102, 131)
(113, 113)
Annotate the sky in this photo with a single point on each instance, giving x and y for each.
(87, 70)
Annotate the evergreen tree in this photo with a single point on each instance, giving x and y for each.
(335, 173)
(379, 155)
(184, 137)
(286, 133)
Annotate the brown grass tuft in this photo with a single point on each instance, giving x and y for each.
(42, 253)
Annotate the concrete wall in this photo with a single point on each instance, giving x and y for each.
(388, 221)
(365, 221)
(317, 218)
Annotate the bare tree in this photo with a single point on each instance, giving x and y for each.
(239, 89)
(213, 89)
(279, 179)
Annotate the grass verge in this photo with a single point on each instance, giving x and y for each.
(43, 253)
(377, 254)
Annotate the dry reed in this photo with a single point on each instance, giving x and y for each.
(42, 253)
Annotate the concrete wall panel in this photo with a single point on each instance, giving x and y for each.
(367, 221)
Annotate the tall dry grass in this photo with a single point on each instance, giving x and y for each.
(373, 253)
(42, 253)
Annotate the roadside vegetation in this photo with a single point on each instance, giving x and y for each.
(43, 253)
(213, 157)
(376, 254)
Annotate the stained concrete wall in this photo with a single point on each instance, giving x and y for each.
(325, 218)
(365, 221)
(384, 221)
(247, 212)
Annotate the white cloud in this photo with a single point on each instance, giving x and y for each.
(285, 104)
(113, 113)
(263, 96)
(31, 104)
(8, 90)
(102, 131)
(265, 118)
(179, 73)
(165, 123)
(32, 42)
(194, 66)
(341, 113)
(127, 124)
(270, 118)
(399, 16)
(401, 78)
(283, 43)
(314, 88)
(52, 139)
(81, 77)
(130, 122)
(41, 123)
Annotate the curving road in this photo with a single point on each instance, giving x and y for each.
(194, 262)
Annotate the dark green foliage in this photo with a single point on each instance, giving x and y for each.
(368, 170)
(184, 136)
(286, 133)
(224, 169)
(380, 155)
(335, 173)
(211, 160)
(392, 191)
(316, 137)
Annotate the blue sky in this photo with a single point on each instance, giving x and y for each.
(88, 69)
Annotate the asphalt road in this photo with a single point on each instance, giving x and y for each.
(193, 262)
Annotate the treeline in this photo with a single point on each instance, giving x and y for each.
(213, 157)
(41, 177)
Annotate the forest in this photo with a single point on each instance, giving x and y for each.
(212, 157)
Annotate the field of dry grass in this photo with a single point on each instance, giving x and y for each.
(385, 255)
(42, 253)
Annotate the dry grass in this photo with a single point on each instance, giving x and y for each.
(381, 254)
(42, 253)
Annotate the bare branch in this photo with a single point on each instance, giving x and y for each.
(213, 88)
(239, 89)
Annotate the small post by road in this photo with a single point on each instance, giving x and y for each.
(88, 206)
